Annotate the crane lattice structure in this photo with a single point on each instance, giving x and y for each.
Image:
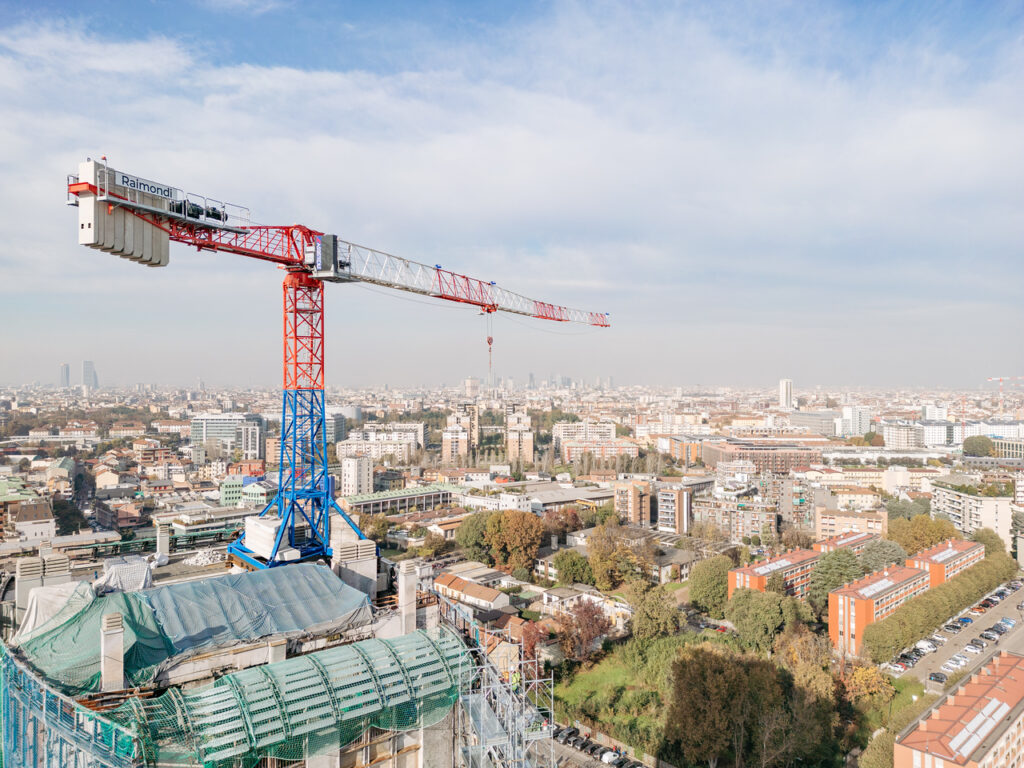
(137, 218)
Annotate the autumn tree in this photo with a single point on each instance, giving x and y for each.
(559, 522)
(573, 568)
(514, 537)
(919, 532)
(581, 628)
(833, 570)
(865, 685)
(602, 549)
(880, 554)
(471, 536)
(374, 527)
(531, 637)
(794, 538)
(709, 585)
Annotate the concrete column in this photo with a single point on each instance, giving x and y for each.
(277, 650)
(112, 652)
(163, 540)
(407, 596)
(28, 574)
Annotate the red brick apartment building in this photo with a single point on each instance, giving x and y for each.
(946, 560)
(795, 566)
(853, 608)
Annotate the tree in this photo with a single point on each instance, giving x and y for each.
(864, 684)
(514, 537)
(531, 636)
(709, 585)
(471, 536)
(992, 541)
(920, 532)
(433, 544)
(581, 628)
(879, 555)
(978, 445)
(757, 617)
(874, 439)
(602, 548)
(833, 570)
(775, 583)
(559, 522)
(794, 538)
(573, 568)
(655, 613)
(375, 527)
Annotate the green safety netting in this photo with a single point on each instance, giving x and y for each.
(305, 706)
(166, 624)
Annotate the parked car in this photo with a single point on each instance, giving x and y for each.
(927, 646)
(937, 677)
(557, 732)
(1008, 622)
(575, 742)
(977, 610)
(998, 628)
(908, 660)
(610, 756)
(959, 657)
(965, 620)
(978, 642)
(972, 648)
(990, 636)
(949, 666)
(584, 745)
(938, 639)
(621, 762)
(598, 750)
(567, 734)
(953, 628)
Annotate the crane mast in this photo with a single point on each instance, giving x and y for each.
(137, 219)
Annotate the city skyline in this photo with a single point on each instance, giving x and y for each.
(833, 210)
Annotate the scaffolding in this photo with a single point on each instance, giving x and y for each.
(505, 719)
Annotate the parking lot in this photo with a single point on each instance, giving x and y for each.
(566, 753)
(1013, 640)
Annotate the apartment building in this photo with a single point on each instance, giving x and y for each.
(587, 430)
(400, 449)
(833, 522)
(1008, 448)
(856, 606)
(795, 566)
(947, 559)
(634, 502)
(685, 449)
(518, 435)
(968, 510)
(903, 437)
(736, 517)
(674, 510)
(455, 444)
(573, 450)
(467, 416)
(766, 457)
(853, 497)
(356, 475)
(979, 724)
(415, 432)
(855, 542)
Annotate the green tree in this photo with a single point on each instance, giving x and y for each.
(602, 553)
(832, 571)
(978, 445)
(375, 527)
(757, 616)
(709, 585)
(920, 532)
(776, 583)
(514, 537)
(471, 536)
(880, 554)
(573, 568)
(655, 612)
(993, 542)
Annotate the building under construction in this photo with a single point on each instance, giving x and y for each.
(278, 667)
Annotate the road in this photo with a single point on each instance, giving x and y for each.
(1011, 641)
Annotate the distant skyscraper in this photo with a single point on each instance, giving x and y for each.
(89, 378)
(786, 393)
(65, 375)
(533, 381)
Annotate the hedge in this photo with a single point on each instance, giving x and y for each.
(920, 617)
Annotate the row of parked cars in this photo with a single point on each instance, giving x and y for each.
(991, 634)
(571, 737)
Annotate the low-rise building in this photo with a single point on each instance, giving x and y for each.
(979, 724)
(795, 566)
(856, 606)
(855, 497)
(855, 542)
(469, 592)
(947, 559)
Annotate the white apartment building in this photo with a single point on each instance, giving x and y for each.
(356, 475)
(455, 442)
(401, 450)
(393, 431)
(585, 431)
(786, 394)
(902, 437)
(225, 429)
(856, 420)
(969, 511)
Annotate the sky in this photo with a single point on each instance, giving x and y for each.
(829, 192)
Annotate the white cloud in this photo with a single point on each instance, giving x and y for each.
(643, 164)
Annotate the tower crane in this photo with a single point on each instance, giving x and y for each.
(1001, 379)
(137, 219)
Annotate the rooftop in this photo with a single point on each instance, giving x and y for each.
(965, 725)
(880, 583)
(943, 551)
(846, 540)
(786, 560)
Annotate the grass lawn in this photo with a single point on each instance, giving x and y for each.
(907, 687)
(672, 586)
